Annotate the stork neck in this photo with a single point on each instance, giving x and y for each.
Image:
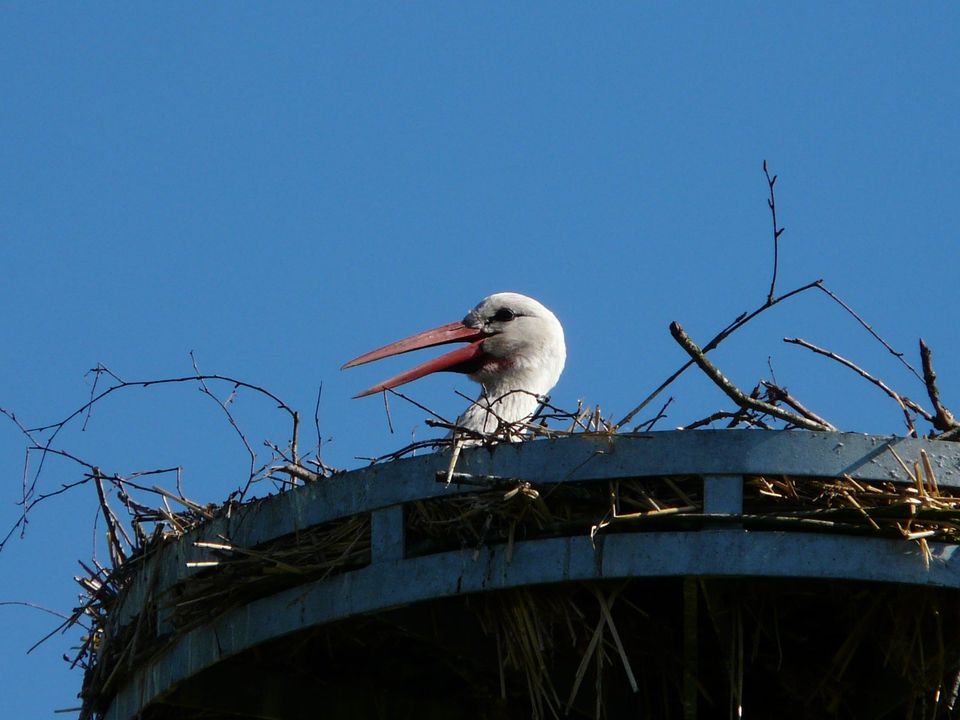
(496, 406)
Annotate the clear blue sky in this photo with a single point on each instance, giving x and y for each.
(279, 187)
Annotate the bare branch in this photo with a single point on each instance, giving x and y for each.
(277, 451)
(318, 460)
(506, 429)
(281, 405)
(950, 434)
(97, 371)
(777, 231)
(35, 607)
(299, 472)
(866, 326)
(386, 409)
(742, 416)
(55, 428)
(28, 501)
(648, 425)
(316, 422)
(416, 404)
(719, 415)
(296, 434)
(738, 323)
(776, 393)
(905, 403)
(419, 445)
(944, 419)
(117, 556)
(253, 456)
(733, 392)
(746, 416)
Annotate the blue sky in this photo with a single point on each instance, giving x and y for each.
(280, 187)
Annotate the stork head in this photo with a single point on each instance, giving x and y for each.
(512, 343)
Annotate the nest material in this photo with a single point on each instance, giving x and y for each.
(525, 512)
(918, 511)
(232, 577)
(572, 649)
(236, 575)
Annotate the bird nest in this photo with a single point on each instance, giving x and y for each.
(580, 653)
(232, 577)
(785, 649)
(595, 649)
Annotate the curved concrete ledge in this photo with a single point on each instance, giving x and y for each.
(575, 458)
(717, 553)
(721, 457)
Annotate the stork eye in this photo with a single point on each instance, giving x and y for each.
(504, 315)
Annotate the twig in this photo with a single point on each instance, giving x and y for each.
(90, 475)
(414, 403)
(648, 425)
(544, 403)
(99, 370)
(23, 487)
(386, 409)
(145, 473)
(316, 424)
(748, 417)
(605, 607)
(719, 415)
(778, 394)
(55, 428)
(944, 419)
(773, 375)
(186, 502)
(35, 607)
(412, 447)
(515, 430)
(738, 323)
(777, 231)
(61, 627)
(733, 392)
(61, 453)
(233, 423)
(905, 403)
(277, 451)
(116, 550)
(26, 492)
(22, 521)
(296, 436)
(281, 405)
(28, 502)
(866, 326)
(299, 472)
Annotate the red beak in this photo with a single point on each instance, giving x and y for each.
(466, 359)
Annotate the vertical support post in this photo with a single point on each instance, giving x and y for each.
(723, 494)
(388, 531)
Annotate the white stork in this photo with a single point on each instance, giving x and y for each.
(515, 350)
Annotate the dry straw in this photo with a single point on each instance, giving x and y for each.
(586, 650)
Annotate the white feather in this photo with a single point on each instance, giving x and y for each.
(525, 356)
